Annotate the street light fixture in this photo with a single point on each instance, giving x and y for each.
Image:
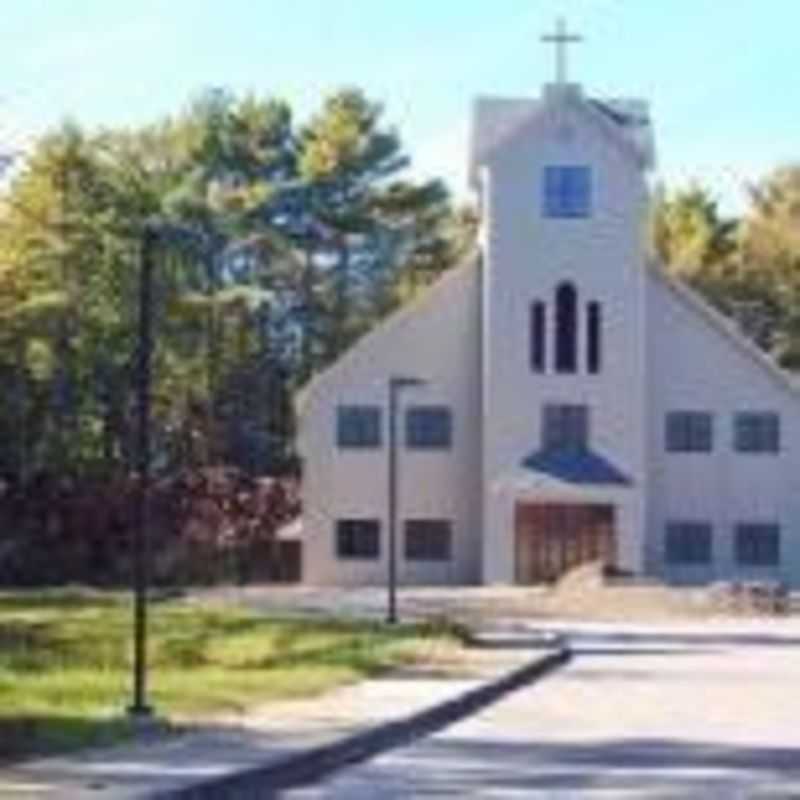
(396, 384)
(139, 709)
(154, 233)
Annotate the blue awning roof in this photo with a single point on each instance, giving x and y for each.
(579, 466)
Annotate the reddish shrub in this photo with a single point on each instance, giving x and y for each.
(205, 525)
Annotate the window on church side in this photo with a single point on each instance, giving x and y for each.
(688, 543)
(757, 432)
(358, 427)
(689, 432)
(594, 332)
(428, 540)
(566, 328)
(358, 539)
(538, 336)
(429, 428)
(567, 192)
(565, 427)
(758, 544)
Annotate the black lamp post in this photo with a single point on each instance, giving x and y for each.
(396, 385)
(139, 708)
(155, 234)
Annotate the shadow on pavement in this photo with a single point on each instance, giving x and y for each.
(447, 767)
(35, 735)
(588, 640)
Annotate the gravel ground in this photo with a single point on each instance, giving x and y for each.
(579, 597)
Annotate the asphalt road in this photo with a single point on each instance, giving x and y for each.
(646, 715)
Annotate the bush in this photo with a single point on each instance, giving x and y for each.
(205, 526)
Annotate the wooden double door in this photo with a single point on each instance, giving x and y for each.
(552, 538)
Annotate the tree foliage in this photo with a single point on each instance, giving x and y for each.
(688, 232)
(279, 244)
(749, 268)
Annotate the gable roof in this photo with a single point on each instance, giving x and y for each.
(493, 120)
(725, 326)
(633, 117)
(496, 120)
(427, 296)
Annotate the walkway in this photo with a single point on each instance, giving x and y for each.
(637, 714)
(281, 739)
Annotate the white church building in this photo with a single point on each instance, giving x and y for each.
(562, 399)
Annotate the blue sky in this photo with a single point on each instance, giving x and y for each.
(720, 76)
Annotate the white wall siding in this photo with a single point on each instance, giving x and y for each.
(695, 366)
(436, 340)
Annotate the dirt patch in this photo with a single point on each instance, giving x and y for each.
(585, 592)
(588, 593)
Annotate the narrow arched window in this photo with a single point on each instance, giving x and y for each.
(594, 337)
(538, 336)
(566, 328)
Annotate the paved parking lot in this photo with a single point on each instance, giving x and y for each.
(653, 713)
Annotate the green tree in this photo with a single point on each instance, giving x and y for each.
(749, 268)
(770, 254)
(367, 225)
(687, 232)
(281, 245)
(62, 297)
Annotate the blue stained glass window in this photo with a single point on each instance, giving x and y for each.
(567, 191)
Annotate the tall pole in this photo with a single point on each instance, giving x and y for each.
(396, 383)
(140, 708)
(391, 614)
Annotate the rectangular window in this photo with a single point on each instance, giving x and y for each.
(565, 426)
(567, 192)
(428, 539)
(757, 432)
(758, 544)
(689, 432)
(429, 427)
(358, 539)
(538, 336)
(688, 543)
(358, 426)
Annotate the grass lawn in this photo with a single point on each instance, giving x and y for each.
(65, 663)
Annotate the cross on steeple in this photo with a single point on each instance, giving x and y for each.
(561, 38)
